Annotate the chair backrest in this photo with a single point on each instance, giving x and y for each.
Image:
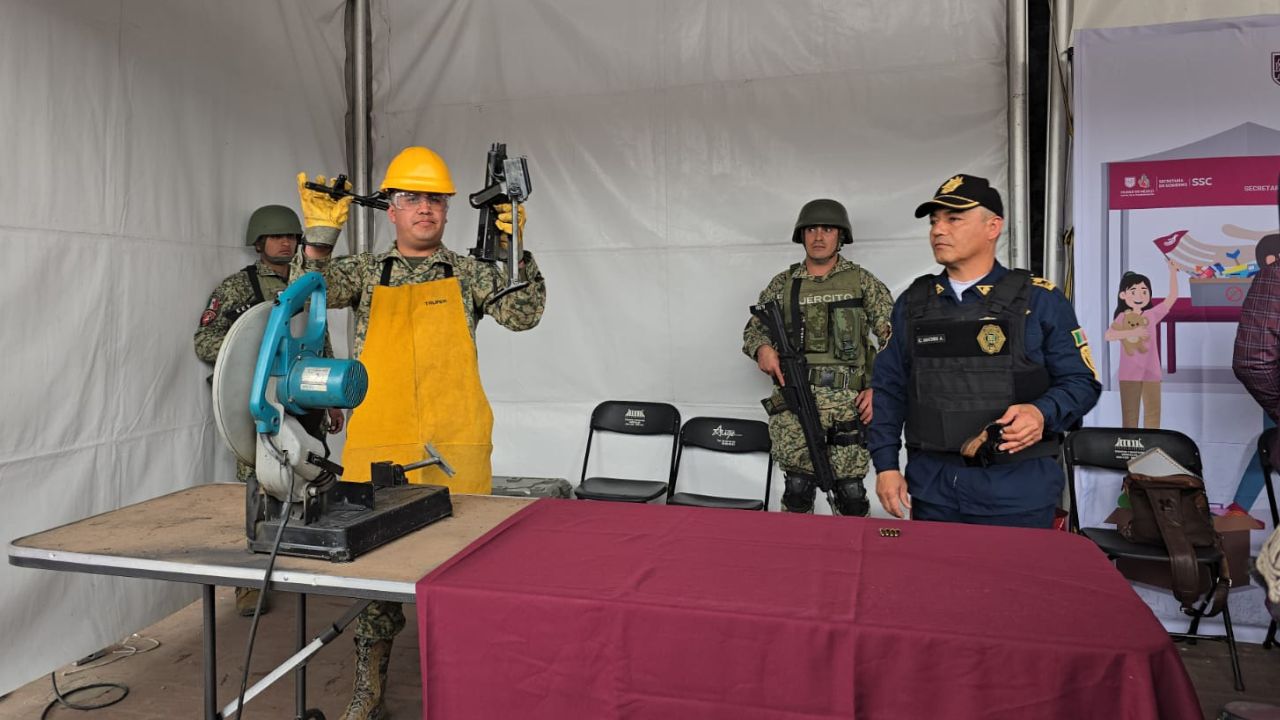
(635, 417)
(1265, 442)
(726, 435)
(1113, 448)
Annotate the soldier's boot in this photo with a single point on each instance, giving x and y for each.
(247, 601)
(850, 498)
(799, 492)
(372, 660)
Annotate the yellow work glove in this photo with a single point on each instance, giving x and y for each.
(503, 221)
(320, 210)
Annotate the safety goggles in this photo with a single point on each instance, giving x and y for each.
(404, 200)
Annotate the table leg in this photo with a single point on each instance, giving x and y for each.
(299, 658)
(1171, 341)
(300, 675)
(210, 656)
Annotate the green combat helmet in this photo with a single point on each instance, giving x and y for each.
(823, 212)
(272, 220)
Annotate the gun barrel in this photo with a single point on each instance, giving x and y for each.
(797, 393)
(337, 191)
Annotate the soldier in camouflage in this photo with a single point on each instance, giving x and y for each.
(418, 187)
(274, 232)
(839, 305)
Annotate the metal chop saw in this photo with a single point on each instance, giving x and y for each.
(266, 382)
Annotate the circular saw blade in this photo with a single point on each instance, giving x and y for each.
(233, 380)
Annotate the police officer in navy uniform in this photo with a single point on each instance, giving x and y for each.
(986, 369)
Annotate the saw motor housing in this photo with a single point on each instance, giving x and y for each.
(290, 379)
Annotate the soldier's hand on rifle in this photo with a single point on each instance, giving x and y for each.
(891, 488)
(322, 216)
(863, 403)
(1023, 427)
(503, 220)
(767, 361)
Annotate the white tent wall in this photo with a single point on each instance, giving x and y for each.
(137, 136)
(671, 145)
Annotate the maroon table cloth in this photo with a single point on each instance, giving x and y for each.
(582, 610)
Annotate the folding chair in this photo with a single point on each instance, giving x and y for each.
(723, 435)
(630, 418)
(1265, 441)
(1111, 449)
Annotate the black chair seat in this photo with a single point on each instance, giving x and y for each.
(620, 489)
(1115, 545)
(1110, 449)
(1246, 710)
(712, 501)
(630, 418)
(723, 435)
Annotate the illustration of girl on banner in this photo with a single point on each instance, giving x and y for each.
(1134, 327)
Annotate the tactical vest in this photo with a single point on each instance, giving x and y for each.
(969, 364)
(827, 321)
(251, 274)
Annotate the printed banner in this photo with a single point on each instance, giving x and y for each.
(1194, 182)
(1176, 167)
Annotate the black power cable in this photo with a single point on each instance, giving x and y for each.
(60, 697)
(266, 578)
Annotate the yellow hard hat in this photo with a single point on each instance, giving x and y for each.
(418, 169)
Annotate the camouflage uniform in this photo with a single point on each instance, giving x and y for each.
(511, 486)
(848, 462)
(351, 280)
(229, 301)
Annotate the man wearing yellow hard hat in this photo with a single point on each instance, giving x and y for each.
(416, 309)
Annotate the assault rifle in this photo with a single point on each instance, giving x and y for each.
(797, 393)
(506, 180)
(339, 190)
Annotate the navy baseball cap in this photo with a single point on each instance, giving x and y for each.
(962, 192)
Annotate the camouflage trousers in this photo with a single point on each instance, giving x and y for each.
(849, 463)
(792, 454)
(244, 471)
(382, 620)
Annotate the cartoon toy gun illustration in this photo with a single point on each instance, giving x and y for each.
(506, 180)
(340, 189)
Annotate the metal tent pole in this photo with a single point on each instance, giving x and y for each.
(358, 109)
(1016, 61)
(1057, 164)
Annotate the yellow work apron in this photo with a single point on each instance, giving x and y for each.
(424, 386)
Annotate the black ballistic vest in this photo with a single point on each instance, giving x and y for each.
(968, 361)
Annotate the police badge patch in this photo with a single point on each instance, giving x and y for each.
(991, 339)
(1087, 356)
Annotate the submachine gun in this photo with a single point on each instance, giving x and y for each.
(506, 180)
(339, 189)
(266, 381)
(799, 397)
